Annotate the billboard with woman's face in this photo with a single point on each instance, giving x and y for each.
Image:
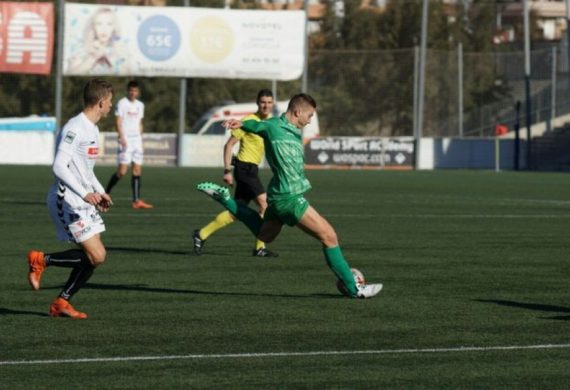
(183, 42)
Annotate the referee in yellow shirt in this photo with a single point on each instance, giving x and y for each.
(246, 175)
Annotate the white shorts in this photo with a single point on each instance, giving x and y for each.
(73, 224)
(133, 153)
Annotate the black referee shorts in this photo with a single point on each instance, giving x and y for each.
(248, 185)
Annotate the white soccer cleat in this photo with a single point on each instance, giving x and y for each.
(218, 192)
(368, 290)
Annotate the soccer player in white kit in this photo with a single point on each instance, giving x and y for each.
(129, 116)
(75, 200)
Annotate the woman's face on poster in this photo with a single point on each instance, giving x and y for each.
(104, 26)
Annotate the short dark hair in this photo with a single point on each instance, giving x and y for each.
(299, 100)
(95, 90)
(133, 84)
(264, 93)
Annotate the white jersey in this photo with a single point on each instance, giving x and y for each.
(131, 114)
(77, 150)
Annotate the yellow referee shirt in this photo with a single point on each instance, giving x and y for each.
(251, 146)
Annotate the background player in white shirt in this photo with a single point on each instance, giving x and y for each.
(129, 116)
(75, 199)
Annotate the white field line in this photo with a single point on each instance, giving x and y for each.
(358, 216)
(285, 354)
(415, 199)
(152, 214)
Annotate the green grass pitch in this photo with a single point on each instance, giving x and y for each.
(475, 267)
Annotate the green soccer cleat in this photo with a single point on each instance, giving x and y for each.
(218, 192)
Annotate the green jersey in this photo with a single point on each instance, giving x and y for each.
(285, 155)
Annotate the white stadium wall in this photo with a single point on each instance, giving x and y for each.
(27, 147)
(202, 150)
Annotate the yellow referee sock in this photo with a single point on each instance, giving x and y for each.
(259, 244)
(222, 219)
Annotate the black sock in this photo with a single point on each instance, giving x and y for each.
(77, 279)
(71, 258)
(112, 181)
(136, 186)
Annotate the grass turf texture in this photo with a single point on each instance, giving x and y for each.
(467, 259)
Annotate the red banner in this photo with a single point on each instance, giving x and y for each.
(26, 37)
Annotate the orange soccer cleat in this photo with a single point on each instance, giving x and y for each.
(61, 308)
(141, 204)
(37, 266)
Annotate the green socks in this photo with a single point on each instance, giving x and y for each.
(337, 263)
(248, 216)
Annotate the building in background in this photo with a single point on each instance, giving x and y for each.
(550, 17)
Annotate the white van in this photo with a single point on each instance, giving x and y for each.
(210, 123)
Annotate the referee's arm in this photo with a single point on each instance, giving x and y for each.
(228, 152)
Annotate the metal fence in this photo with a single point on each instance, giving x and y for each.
(368, 93)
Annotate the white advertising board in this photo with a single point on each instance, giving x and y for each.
(183, 42)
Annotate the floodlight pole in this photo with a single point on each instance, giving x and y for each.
(304, 81)
(553, 89)
(416, 71)
(422, 72)
(527, 84)
(59, 65)
(460, 88)
(182, 111)
(568, 37)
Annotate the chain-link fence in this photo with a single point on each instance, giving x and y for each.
(359, 92)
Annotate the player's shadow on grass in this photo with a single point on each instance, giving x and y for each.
(9, 312)
(532, 306)
(24, 202)
(146, 288)
(214, 252)
(144, 250)
(122, 249)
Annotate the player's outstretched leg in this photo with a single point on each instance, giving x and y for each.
(221, 194)
(317, 226)
(338, 264)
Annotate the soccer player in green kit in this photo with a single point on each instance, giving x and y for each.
(286, 202)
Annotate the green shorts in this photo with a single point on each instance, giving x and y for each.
(289, 211)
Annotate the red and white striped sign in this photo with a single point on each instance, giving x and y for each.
(26, 37)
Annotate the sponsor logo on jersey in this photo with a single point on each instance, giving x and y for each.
(69, 137)
(92, 152)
